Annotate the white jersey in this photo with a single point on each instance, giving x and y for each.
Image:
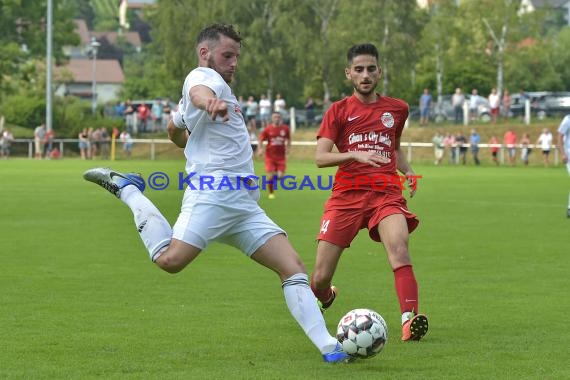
(215, 148)
(564, 129)
(264, 107)
(545, 141)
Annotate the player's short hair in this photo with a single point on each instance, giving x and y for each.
(214, 31)
(362, 49)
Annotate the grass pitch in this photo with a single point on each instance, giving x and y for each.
(81, 300)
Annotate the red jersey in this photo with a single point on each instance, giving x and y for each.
(277, 138)
(355, 126)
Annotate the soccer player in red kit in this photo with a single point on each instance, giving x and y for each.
(278, 141)
(366, 129)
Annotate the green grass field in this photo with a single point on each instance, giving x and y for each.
(80, 299)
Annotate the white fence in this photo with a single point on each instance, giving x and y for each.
(69, 147)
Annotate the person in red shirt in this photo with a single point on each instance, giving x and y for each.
(366, 129)
(278, 140)
(510, 141)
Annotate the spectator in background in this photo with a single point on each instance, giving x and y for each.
(438, 147)
(143, 114)
(506, 102)
(510, 143)
(55, 154)
(525, 148)
(461, 142)
(425, 106)
(95, 141)
(474, 105)
(264, 110)
(545, 141)
(156, 115)
(130, 116)
(120, 110)
(494, 104)
(84, 148)
(6, 139)
(166, 110)
(127, 141)
(279, 104)
(242, 104)
(449, 144)
(474, 141)
(457, 101)
(48, 142)
(105, 143)
(251, 115)
(494, 149)
(39, 139)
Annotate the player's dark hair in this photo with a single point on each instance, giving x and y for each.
(214, 31)
(363, 49)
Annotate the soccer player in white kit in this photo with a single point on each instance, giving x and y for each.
(564, 148)
(210, 127)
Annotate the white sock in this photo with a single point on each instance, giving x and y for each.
(406, 316)
(303, 306)
(568, 201)
(154, 229)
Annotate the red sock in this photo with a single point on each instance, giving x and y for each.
(323, 295)
(406, 288)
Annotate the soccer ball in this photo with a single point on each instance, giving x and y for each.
(362, 333)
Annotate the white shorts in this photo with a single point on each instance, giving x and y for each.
(228, 216)
(568, 162)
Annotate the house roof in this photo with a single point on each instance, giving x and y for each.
(133, 38)
(107, 71)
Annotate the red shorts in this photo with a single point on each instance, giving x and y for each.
(273, 166)
(348, 212)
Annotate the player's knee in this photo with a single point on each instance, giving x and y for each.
(320, 280)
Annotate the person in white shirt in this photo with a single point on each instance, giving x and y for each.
(545, 142)
(264, 110)
(210, 127)
(474, 105)
(279, 104)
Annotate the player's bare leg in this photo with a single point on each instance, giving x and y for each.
(278, 255)
(328, 256)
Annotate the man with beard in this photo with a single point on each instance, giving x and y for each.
(366, 129)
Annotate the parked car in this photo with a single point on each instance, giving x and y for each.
(557, 104)
(537, 104)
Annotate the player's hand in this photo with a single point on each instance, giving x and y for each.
(217, 108)
(371, 158)
(412, 181)
(564, 158)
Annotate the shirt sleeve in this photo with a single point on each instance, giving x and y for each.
(329, 126)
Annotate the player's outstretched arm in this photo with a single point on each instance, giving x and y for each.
(203, 97)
